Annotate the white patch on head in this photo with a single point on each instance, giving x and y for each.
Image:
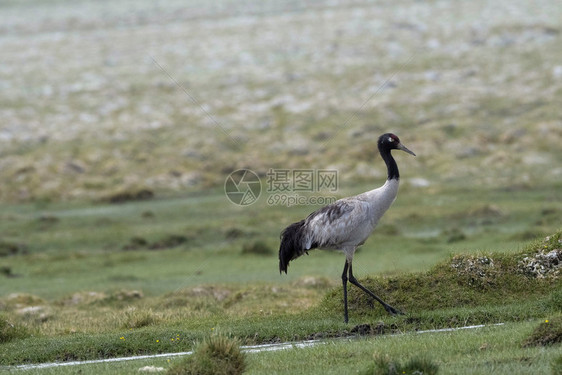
(390, 139)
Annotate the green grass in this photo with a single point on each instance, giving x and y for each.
(105, 292)
(478, 351)
(454, 293)
(496, 348)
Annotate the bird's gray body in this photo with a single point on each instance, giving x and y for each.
(347, 223)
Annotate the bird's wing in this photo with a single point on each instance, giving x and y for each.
(332, 225)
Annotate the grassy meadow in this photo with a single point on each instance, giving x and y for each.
(121, 122)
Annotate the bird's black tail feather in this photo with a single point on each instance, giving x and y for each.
(292, 244)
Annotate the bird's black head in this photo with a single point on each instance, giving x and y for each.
(389, 141)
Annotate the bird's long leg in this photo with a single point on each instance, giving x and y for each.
(344, 280)
(391, 310)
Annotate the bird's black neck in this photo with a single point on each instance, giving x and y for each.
(391, 165)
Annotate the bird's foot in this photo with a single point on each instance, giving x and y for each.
(392, 311)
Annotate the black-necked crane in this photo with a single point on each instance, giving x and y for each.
(346, 224)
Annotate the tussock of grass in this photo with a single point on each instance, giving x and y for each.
(10, 248)
(17, 300)
(383, 365)
(215, 355)
(130, 195)
(168, 242)
(257, 248)
(120, 297)
(548, 332)
(10, 331)
(134, 318)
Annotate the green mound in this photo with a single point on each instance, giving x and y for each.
(548, 332)
(467, 281)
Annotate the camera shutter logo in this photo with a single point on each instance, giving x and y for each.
(242, 187)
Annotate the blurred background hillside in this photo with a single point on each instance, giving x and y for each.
(102, 97)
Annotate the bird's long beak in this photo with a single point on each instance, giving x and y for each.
(404, 148)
